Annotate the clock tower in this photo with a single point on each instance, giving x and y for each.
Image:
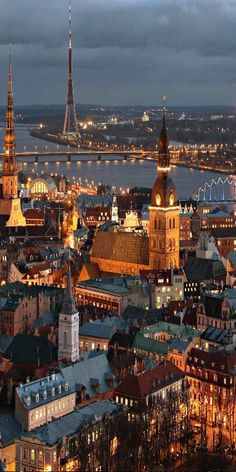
(164, 213)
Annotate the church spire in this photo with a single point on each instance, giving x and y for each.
(68, 306)
(164, 157)
(9, 160)
(68, 332)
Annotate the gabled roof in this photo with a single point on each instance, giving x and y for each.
(215, 361)
(141, 385)
(216, 335)
(34, 350)
(198, 269)
(81, 372)
(124, 247)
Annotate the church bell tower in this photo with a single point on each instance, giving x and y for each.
(164, 213)
(68, 335)
(10, 204)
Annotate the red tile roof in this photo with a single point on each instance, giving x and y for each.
(141, 385)
(214, 361)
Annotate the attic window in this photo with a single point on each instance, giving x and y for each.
(222, 367)
(37, 397)
(202, 362)
(213, 364)
(195, 359)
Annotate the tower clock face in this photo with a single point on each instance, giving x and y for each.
(158, 199)
(171, 199)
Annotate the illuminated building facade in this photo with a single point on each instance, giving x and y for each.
(164, 213)
(212, 382)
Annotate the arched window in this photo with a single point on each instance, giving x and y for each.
(170, 225)
(173, 223)
(65, 340)
(170, 244)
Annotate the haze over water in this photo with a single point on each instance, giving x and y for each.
(125, 174)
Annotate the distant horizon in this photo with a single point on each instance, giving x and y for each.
(160, 106)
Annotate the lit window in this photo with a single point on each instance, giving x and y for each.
(32, 455)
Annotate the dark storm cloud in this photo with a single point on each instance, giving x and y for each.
(125, 51)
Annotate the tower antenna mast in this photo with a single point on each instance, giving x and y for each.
(70, 120)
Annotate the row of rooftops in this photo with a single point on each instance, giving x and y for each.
(52, 432)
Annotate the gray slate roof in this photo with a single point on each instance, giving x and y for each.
(96, 330)
(198, 269)
(29, 391)
(5, 341)
(52, 432)
(10, 429)
(83, 371)
(216, 335)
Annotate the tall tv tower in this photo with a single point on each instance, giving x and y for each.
(70, 121)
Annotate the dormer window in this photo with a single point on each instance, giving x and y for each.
(37, 397)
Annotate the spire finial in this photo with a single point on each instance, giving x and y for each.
(70, 32)
(10, 70)
(164, 98)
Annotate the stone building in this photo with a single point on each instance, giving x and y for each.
(128, 253)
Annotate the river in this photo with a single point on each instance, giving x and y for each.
(117, 172)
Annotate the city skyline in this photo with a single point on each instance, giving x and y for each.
(130, 52)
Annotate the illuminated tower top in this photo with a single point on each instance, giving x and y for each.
(10, 164)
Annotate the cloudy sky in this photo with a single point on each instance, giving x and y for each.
(125, 51)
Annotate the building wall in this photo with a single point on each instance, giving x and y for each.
(33, 455)
(88, 343)
(166, 293)
(8, 457)
(164, 234)
(40, 415)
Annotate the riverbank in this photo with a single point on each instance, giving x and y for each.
(60, 141)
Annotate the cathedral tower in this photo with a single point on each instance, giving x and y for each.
(68, 335)
(10, 205)
(164, 213)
